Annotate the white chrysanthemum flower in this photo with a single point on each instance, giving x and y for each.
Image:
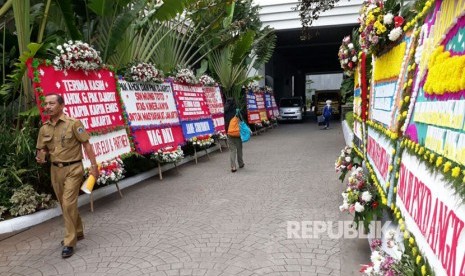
(395, 33)
(388, 19)
(366, 196)
(354, 58)
(359, 207)
(350, 45)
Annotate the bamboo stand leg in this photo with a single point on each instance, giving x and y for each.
(159, 172)
(176, 166)
(221, 147)
(119, 190)
(91, 203)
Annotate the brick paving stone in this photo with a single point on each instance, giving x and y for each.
(205, 220)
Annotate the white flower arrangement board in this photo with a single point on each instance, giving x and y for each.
(214, 100)
(433, 214)
(108, 146)
(379, 154)
(149, 104)
(382, 102)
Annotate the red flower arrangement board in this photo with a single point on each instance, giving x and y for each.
(153, 139)
(260, 98)
(214, 99)
(89, 96)
(190, 102)
(218, 122)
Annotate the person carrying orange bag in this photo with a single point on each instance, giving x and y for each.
(232, 121)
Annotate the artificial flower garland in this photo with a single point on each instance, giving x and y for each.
(203, 141)
(186, 76)
(77, 55)
(382, 130)
(168, 155)
(451, 171)
(144, 72)
(206, 80)
(110, 172)
(348, 57)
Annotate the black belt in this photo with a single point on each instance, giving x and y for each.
(64, 164)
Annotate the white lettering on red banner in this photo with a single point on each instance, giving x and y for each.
(191, 102)
(214, 100)
(149, 104)
(90, 97)
(434, 215)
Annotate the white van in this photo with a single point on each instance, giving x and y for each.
(291, 109)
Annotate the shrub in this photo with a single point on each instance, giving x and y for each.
(26, 200)
(135, 163)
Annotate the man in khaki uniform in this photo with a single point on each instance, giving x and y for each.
(61, 138)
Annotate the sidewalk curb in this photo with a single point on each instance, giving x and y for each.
(23, 222)
(348, 133)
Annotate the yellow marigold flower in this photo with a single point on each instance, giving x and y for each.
(406, 235)
(402, 228)
(398, 216)
(392, 206)
(447, 166)
(390, 168)
(455, 172)
(418, 259)
(414, 249)
(393, 151)
(421, 150)
(411, 241)
(423, 270)
(384, 201)
(439, 161)
(397, 175)
(395, 189)
(401, 102)
(387, 185)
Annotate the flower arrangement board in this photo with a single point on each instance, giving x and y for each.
(191, 102)
(218, 122)
(269, 105)
(359, 130)
(274, 107)
(148, 104)
(108, 146)
(389, 74)
(260, 99)
(380, 153)
(436, 117)
(253, 113)
(91, 97)
(148, 140)
(192, 129)
(433, 214)
(214, 99)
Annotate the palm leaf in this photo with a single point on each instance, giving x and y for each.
(68, 13)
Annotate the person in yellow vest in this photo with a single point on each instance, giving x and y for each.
(60, 140)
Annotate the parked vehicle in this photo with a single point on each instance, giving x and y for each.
(320, 98)
(291, 109)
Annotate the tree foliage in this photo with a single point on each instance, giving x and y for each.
(310, 10)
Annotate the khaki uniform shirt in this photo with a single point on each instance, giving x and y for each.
(63, 139)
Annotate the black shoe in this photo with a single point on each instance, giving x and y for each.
(233, 170)
(67, 252)
(241, 166)
(78, 238)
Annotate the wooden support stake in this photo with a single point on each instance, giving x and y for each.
(91, 202)
(206, 151)
(159, 171)
(119, 190)
(195, 155)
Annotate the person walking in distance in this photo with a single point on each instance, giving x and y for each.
(231, 120)
(327, 112)
(61, 139)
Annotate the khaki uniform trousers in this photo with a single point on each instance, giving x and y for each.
(66, 182)
(235, 149)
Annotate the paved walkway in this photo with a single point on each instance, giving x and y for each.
(205, 220)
